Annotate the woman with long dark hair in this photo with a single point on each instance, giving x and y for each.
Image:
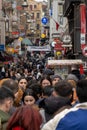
(45, 81)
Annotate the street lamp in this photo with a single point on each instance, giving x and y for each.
(25, 3)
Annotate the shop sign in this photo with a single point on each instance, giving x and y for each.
(53, 44)
(84, 51)
(2, 47)
(44, 20)
(19, 8)
(15, 33)
(67, 39)
(83, 25)
(43, 35)
(58, 47)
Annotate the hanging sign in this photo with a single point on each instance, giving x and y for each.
(84, 51)
(44, 20)
(43, 35)
(83, 25)
(15, 33)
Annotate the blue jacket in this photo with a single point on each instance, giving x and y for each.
(69, 119)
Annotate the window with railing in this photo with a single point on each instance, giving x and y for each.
(32, 16)
(38, 26)
(35, 6)
(31, 7)
(60, 9)
(61, 20)
(60, 13)
(38, 15)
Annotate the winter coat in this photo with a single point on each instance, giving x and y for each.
(69, 119)
(51, 105)
(4, 117)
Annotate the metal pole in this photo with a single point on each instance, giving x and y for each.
(0, 18)
(2, 26)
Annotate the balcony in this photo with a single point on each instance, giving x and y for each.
(68, 5)
(7, 5)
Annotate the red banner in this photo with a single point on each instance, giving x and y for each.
(15, 33)
(83, 24)
(58, 47)
(19, 8)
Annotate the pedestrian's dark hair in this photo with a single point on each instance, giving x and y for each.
(29, 92)
(36, 87)
(47, 91)
(22, 77)
(63, 88)
(11, 84)
(46, 77)
(81, 90)
(5, 93)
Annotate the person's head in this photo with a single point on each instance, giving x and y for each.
(47, 91)
(36, 87)
(26, 71)
(72, 80)
(82, 90)
(25, 118)
(29, 97)
(45, 81)
(31, 81)
(6, 98)
(76, 72)
(11, 84)
(22, 83)
(3, 80)
(63, 89)
(48, 72)
(72, 77)
(55, 79)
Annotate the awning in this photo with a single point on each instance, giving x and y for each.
(26, 42)
(39, 48)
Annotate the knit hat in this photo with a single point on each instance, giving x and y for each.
(72, 77)
(76, 72)
(56, 76)
(47, 72)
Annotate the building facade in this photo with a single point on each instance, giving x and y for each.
(72, 10)
(34, 14)
(57, 19)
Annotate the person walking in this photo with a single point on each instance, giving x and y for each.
(25, 118)
(6, 102)
(74, 118)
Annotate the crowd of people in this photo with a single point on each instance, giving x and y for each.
(33, 97)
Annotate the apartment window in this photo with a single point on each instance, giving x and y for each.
(35, 6)
(60, 13)
(60, 9)
(38, 15)
(32, 15)
(31, 7)
(38, 26)
(61, 20)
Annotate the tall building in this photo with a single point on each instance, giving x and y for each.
(76, 12)
(57, 21)
(34, 15)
